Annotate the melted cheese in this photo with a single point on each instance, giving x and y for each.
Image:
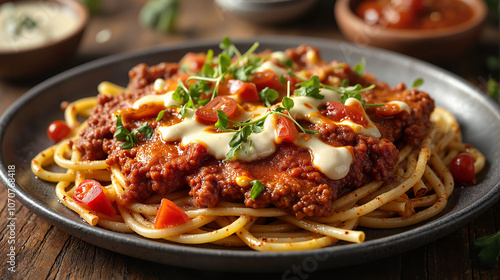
(306, 107)
(165, 99)
(402, 106)
(334, 162)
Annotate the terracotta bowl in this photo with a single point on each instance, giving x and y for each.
(17, 64)
(436, 44)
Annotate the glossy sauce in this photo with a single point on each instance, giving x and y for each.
(334, 162)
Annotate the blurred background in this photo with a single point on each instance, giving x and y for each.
(118, 26)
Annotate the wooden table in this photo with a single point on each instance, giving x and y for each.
(47, 252)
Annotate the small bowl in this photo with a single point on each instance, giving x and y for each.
(35, 60)
(431, 44)
(266, 11)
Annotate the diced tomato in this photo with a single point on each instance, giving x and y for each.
(246, 92)
(339, 112)
(169, 215)
(193, 62)
(287, 131)
(208, 113)
(293, 81)
(266, 79)
(90, 195)
(462, 169)
(57, 130)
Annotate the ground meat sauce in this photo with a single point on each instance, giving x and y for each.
(291, 181)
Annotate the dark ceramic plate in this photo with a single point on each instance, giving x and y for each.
(22, 135)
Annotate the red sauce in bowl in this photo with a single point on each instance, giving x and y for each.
(414, 14)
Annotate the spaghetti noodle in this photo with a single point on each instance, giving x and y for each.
(416, 187)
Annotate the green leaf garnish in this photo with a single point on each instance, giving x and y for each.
(130, 138)
(418, 82)
(19, 23)
(145, 130)
(359, 68)
(268, 95)
(257, 189)
(244, 129)
(241, 68)
(310, 88)
(489, 249)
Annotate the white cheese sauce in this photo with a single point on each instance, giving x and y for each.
(334, 162)
(52, 22)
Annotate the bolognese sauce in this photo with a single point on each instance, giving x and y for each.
(293, 179)
(276, 151)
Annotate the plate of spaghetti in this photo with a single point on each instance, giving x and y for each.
(254, 155)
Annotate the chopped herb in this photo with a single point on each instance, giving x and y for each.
(345, 83)
(418, 82)
(310, 88)
(288, 63)
(241, 68)
(489, 249)
(257, 189)
(287, 103)
(160, 115)
(313, 89)
(352, 92)
(16, 25)
(130, 138)
(359, 68)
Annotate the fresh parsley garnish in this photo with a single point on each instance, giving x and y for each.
(241, 68)
(489, 249)
(257, 189)
(242, 130)
(310, 88)
(418, 82)
(268, 95)
(16, 25)
(359, 68)
(353, 92)
(130, 138)
(493, 89)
